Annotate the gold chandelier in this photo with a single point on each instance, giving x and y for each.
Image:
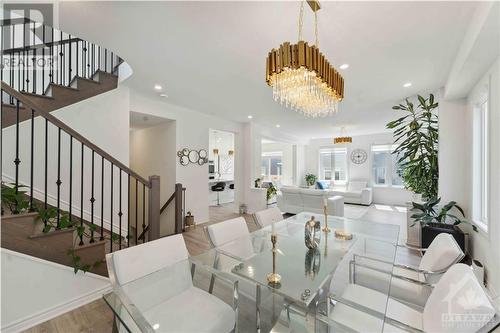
(343, 138)
(302, 78)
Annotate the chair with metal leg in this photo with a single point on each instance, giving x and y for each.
(443, 253)
(166, 299)
(219, 187)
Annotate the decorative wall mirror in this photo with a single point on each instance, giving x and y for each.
(187, 156)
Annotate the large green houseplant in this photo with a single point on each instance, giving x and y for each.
(416, 136)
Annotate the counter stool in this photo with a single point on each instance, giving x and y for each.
(219, 187)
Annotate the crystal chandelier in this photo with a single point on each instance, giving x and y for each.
(343, 138)
(301, 76)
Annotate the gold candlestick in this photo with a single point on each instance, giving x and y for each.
(326, 228)
(274, 278)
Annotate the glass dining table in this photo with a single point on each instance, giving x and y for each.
(315, 283)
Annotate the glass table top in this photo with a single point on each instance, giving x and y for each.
(304, 272)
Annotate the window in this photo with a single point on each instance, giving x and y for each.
(385, 166)
(271, 166)
(333, 164)
(480, 165)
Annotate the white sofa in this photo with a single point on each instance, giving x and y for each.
(295, 200)
(355, 192)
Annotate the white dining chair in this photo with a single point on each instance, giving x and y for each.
(233, 238)
(186, 308)
(457, 303)
(438, 258)
(267, 216)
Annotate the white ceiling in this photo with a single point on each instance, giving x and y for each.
(140, 120)
(210, 56)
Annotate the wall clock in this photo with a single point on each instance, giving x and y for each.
(359, 156)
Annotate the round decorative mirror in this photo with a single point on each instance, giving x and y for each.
(185, 152)
(202, 153)
(193, 156)
(179, 153)
(184, 160)
(201, 161)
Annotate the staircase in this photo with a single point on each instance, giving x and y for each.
(71, 202)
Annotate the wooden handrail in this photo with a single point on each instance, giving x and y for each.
(54, 120)
(167, 203)
(42, 46)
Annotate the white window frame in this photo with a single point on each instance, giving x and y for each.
(273, 154)
(339, 150)
(480, 162)
(389, 172)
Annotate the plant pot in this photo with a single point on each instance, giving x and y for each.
(431, 230)
(417, 197)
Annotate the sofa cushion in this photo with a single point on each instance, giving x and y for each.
(322, 185)
(356, 185)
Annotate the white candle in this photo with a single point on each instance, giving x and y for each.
(273, 229)
(325, 202)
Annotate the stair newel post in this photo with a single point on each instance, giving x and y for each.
(112, 63)
(32, 153)
(105, 60)
(154, 207)
(102, 199)
(81, 194)
(99, 57)
(92, 199)
(120, 209)
(178, 208)
(58, 183)
(16, 160)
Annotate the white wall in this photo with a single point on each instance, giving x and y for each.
(153, 152)
(456, 168)
(36, 290)
(104, 120)
(381, 194)
(192, 132)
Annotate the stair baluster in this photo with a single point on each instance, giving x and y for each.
(102, 199)
(120, 211)
(58, 182)
(111, 211)
(81, 193)
(92, 199)
(32, 159)
(16, 160)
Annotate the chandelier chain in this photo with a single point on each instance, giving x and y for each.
(316, 34)
(301, 19)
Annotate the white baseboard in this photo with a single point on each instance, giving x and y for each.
(59, 309)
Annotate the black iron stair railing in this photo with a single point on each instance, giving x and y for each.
(55, 127)
(36, 55)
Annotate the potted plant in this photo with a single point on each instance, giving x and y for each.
(271, 192)
(435, 221)
(416, 136)
(258, 182)
(311, 179)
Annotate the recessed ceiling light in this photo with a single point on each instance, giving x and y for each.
(163, 95)
(344, 66)
(407, 85)
(278, 125)
(250, 117)
(157, 87)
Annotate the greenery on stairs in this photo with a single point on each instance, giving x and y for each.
(16, 202)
